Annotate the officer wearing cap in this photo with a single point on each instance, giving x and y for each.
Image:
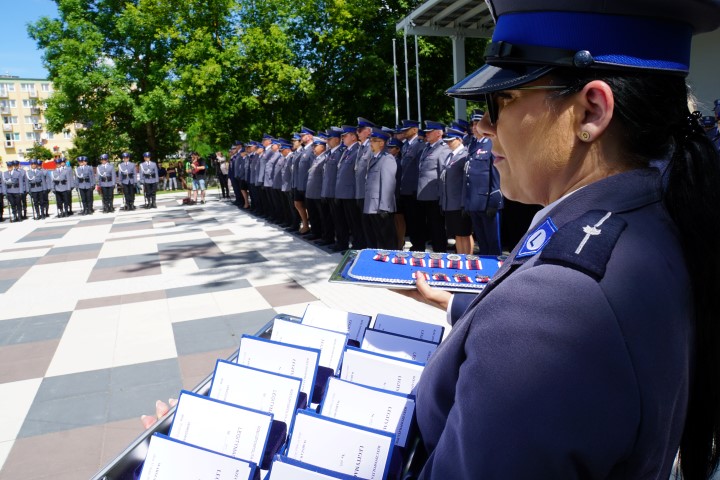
(233, 172)
(586, 354)
(37, 185)
(62, 184)
(149, 178)
(313, 189)
(379, 202)
(452, 189)
(288, 206)
(276, 193)
(410, 152)
(349, 221)
(328, 206)
(13, 181)
(126, 171)
(301, 166)
(25, 190)
(364, 128)
(430, 164)
(271, 157)
(106, 181)
(482, 197)
(85, 180)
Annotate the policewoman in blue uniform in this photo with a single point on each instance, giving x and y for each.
(594, 351)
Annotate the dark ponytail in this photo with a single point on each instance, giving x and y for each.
(653, 122)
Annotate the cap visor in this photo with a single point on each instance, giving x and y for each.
(491, 79)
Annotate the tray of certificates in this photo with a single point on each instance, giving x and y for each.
(399, 269)
(326, 396)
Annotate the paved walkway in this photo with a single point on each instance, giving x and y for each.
(101, 315)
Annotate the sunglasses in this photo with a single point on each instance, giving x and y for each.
(492, 104)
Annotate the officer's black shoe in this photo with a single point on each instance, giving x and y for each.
(132, 207)
(24, 216)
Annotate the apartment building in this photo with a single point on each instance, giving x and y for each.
(22, 102)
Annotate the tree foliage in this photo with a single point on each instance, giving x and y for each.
(136, 73)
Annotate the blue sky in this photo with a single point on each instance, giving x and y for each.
(19, 55)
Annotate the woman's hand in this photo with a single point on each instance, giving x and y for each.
(426, 294)
(161, 409)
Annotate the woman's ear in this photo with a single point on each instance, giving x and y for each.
(595, 107)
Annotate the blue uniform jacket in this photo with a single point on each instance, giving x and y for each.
(330, 171)
(345, 184)
(148, 173)
(126, 172)
(570, 365)
(380, 184)
(304, 157)
(409, 166)
(36, 180)
(278, 172)
(14, 181)
(361, 168)
(315, 177)
(430, 166)
(106, 175)
(287, 173)
(482, 181)
(85, 177)
(272, 159)
(452, 181)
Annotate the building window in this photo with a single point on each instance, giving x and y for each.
(16, 136)
(27, 87)
(7, 87)
(45, 87)
(29, 136)
(10, 120)
(50, 135)
(29, 103)
(67, 135)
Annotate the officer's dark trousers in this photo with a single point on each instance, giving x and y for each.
(487, 232)
(408, 206)
(223, 180)
(15, 205)
(86, 196)
(383, 230)
(36, 200)
(2, 206)
(328, 233)
(342, 228)
(150, 190)
(353, 217)
(129, 193)
(235, 183)
(315, 216)
(432, 226)
(107, 194)
(293, 217)
(23, 201)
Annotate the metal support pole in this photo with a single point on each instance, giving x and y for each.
(417, 76)
(395, 79)
(458, 46)
(407, 77)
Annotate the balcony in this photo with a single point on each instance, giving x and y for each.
(33, 94)
(4, 109)
(9, 144)
(37, 126)
(7, 127)
(35, 111)
(4, 94)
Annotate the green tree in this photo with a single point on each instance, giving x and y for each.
(39, 152)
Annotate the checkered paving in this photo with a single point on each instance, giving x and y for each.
(102, 315)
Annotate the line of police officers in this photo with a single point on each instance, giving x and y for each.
(368, 186)
(17, 182)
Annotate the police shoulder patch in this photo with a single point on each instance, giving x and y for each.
(585, 243)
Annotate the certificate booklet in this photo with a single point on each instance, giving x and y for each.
(221, 427)
(169, 459)
(284, 468)
(398, 346)
(380, 371)
(369, 407)
(256, 389)
(340, 446)
(354, 324)
(412, 328)
(329, 342)
(398, 269)
(283, 358)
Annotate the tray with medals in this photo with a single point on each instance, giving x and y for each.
(398, 269)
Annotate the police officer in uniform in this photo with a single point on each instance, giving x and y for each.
(26, 190)
(106, 181)
(62, 184)
(37, 185)
(328, 208)
(349, 218)
(430, 165)
(149, 178)
(452, 189)
(301, 166)
(14, 182)
(127, 174)
(85, 180)
(288, 207)
(483, 200)
(278, 199)
(364, 128)
(313, 190)
(379, 204)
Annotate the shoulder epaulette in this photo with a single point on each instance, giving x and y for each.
(586, 243)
